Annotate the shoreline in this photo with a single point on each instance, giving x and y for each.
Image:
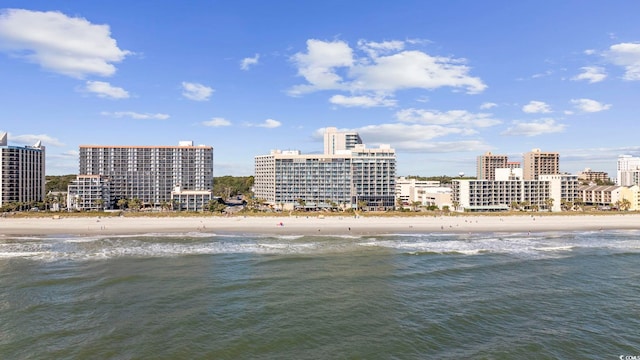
(314, 225)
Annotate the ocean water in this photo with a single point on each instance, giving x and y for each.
(571, 295)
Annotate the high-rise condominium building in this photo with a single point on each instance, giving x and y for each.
(156, 175)
(345, 175)
(628, 171)
(537, 163)
(336, 141)
(22, 176)
(487, 165)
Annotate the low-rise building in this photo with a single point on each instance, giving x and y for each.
(424, 192)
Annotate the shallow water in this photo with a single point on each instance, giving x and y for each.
(502, 296)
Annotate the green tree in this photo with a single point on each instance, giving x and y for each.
(122, 203)
(99, 203)
(135, 204)
(625, 204)
(58, 183)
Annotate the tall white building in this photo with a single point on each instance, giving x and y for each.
(628, 171)
(22, 173)
(347, 174)
(336, 142)
(156, 175)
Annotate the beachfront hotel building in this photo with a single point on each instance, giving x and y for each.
(22, 173)
(628, 170)
(347, 174)
(537, 162)
(537, 185)
(502, 195)
(180, 175)
(609, 196)
(590, 175)
(487, 164)
(410, 192)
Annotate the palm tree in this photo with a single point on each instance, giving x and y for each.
(549, 203)
(122, 203)
(625, 204)
(99, 203)
(515, 205)
(455, 204)
(302, 203)
(135, 204)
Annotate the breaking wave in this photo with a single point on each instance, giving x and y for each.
(539, 245)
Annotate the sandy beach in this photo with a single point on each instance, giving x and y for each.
(303, 225)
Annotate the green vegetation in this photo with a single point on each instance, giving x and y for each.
(229, 186)
(58, 183)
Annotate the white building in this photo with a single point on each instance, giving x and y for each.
(22, 173)
(150, 174)
(427, 193)
(501, 195)
(628, 171)
(347, 174)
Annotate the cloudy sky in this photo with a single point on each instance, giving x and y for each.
(440, 81)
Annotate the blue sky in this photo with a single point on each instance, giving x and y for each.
(440, 81)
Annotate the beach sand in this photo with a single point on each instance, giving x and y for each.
(303, 225)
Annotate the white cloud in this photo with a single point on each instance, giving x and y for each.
(195, 91)
(217, 122)
(414, 69)
(105, 90)
(318, 65)
(592, 74)
(534, 128)
(416, 137)
(626, 55)
(488, 105)
(269, 124)
(588, 105)
(246, 63)
(31, 139)
(136, 116)
(66, 45)
(362, 101)
(455, 117)
(384, 68)
(536, 107)
(374, 49)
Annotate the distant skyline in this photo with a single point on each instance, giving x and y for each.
(442, 82)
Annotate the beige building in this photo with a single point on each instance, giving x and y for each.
(536, 163)
(590, 175)
(609, 196)
(487, 164)
(22, 173)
